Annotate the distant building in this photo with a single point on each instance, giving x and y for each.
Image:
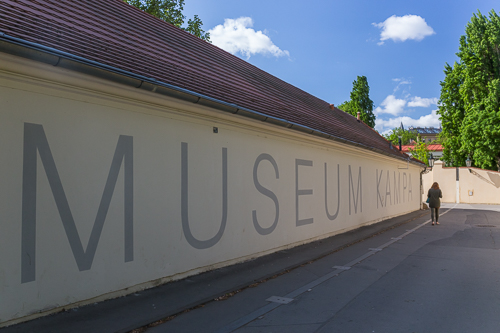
(435, 149)
(428, 134)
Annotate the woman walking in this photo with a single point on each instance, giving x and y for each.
(434, 194)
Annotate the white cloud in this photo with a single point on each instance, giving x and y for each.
(391, 105)
(401, 82)
(402, 28)
(237, 36)
(430, 120)
(395, 106)
(422, 102)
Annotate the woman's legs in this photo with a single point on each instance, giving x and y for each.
(437, 215)
(432, 215)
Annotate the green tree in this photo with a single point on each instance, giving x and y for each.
(470, 96)
(360, 101)
(452, 113)
(406, 136)
(421, 153)
(171, 11)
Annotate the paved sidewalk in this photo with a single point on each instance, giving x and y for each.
(137, 310)
(416, 277)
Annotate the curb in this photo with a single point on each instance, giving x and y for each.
(150, 307)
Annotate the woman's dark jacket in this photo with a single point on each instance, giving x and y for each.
(434, 195)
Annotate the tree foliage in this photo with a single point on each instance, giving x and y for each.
(171, 11)
(360, 101)
(470, 97)
(421, 152)
(406, 136)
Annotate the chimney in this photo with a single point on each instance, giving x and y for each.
(332, 106)
(359, 116)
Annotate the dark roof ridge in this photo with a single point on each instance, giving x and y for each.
(182, 65)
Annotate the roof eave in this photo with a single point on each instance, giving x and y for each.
(48, 55)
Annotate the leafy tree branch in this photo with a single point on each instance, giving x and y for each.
(469, 105)
(171, 11)
(360, 101)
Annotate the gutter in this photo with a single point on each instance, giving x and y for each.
(54, 57)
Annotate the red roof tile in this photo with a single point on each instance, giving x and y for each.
(116, 34)
(433, 147)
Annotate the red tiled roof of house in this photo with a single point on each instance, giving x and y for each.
(116, 34)
(406, 148)
(433, 147)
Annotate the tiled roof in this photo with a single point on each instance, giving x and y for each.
(433, 147)
(113, 33)
(407, 148)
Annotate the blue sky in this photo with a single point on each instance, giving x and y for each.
(322, 46)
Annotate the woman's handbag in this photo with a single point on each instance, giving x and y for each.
(428, 200)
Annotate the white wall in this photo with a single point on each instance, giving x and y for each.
(82, 120)
(475, 186)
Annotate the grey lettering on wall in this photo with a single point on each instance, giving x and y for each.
(196, 243)
(299, 192)
(268, 193)
(404, 186)
(397, 188)
(359, 192)
(36, 140)
(388, 189)
(379, 178)
(410, 193)
(334, 216)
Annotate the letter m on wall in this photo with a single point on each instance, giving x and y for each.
(35, 140)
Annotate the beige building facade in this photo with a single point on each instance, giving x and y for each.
(107, 190)
(464, 185)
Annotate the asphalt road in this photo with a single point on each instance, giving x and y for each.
(413, 278)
